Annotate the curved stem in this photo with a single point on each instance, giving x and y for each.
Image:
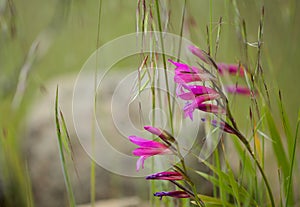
(248, 147)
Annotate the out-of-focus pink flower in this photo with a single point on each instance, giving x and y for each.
(147, 149)
(223, 68)
(232, 69)
(165, 176)
(186, 74)
(239, 90)
(175, 194)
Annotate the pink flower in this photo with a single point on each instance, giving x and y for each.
(189, 92)
(186, 74)
(210, 108)
(175, 194)
(147, 149)
(165, 176)
(239, 90)
(232, 69)
(198, 95)
(223, 68)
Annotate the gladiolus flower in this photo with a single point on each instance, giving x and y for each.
(175, 194)
(210, 108)
(223, 68)
(198, 95)
(193, 91)
(186, 74)
(239, 90)
(165, 176)
(147, 149)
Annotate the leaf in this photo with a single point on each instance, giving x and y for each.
(277, 144)
(243, 193)
(61, 153)
(290, 178)
(211, 201)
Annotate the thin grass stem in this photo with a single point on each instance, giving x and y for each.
(165, 66)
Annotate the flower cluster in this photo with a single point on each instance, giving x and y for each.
(206, 98)
(149, 148)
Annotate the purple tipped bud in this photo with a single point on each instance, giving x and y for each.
(164, 135)
(222, 125)
(165, 176)
(199, 53)
(174, 194)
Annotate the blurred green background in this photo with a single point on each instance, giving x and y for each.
(69, 29)
(55, 37)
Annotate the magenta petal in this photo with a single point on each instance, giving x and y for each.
(140, 162)
(187, 78)
(188, 92)
(184, 68)
(199, 90)
(206, 97)
(188, 110)
(186, 96)
(153, 130)
(145, 143)
(180, 66)
(150, 151)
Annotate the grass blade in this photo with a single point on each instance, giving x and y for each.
(61, 153)
(292, 164)
(277, 144)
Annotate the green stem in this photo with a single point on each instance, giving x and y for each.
(93, 128)
(153, 188)
(165, 66)
(249, 149)
(210, 27)
(195, 194)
